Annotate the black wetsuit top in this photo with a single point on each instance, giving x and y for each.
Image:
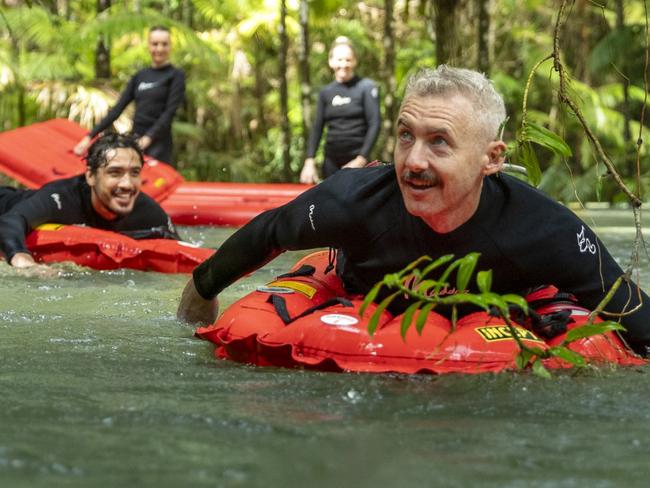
(157, 93)
(68, 201)
(523, 236)
(350, 111)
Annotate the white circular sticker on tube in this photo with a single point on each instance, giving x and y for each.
(339, 319)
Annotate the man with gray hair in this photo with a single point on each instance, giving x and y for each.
(444, 195)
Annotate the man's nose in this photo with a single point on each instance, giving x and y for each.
(127, 181)
(417, 158)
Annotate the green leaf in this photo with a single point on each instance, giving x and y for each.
(370, 297)
(525, 156)
(437, 263)
(540, 370)
(523, 358)
(407, 318)
(374, 320)
(516, 300)
(422, 316)
(568, 355)
(466, 270)
(477, 300)
(591, 330)
(538, 134)
(484, 280)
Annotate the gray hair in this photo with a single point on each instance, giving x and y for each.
(476, 87)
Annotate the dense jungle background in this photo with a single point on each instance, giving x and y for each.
(254, 69)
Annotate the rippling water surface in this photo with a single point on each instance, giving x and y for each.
(101, 386)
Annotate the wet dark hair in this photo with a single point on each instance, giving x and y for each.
(159, 28)
(97, 155)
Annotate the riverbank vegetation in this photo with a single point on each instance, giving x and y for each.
(254, 68)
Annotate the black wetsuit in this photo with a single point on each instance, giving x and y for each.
(350, 111)
(68, 201)
(157, 93)
(523, 236)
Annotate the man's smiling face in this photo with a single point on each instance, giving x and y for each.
(441, 157)
(116, 184)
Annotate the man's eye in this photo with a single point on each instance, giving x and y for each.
(405, 136)
(438, 141)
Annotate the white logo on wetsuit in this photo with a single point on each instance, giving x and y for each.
(144, 85)
(57, 199)
(339, 100)
(584, 244)
(311, 216)
(374, 92)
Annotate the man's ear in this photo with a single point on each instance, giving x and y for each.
(495, 153)
(90, 178)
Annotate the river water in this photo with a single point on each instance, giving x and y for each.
(101, 386)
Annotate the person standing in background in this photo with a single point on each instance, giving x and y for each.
(157, 91)
(349, 108)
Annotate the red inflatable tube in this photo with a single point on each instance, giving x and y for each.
(335, 338)
(228, 204)
(99, 249)
(40, 153)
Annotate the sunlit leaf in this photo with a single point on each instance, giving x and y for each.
(523, 358)
(540, 370)
(546, 138)
(568, 355)
(422, 316)
(407, 318)
(370, 297)
(591, 330)
(484, 280)
(525, 156)
(516, 300)
(374, 320)
(466, 270)
(437, 263)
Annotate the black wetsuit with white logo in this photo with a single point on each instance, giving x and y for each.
(523, 236)
(68, 201)
(157, 93)
(350, 111)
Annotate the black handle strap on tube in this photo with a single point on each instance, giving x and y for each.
(280, 305)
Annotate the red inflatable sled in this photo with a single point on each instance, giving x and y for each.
(307, 321)
(39, 153)
(99, 249)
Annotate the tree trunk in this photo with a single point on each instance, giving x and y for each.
(483, 51)
(260, 92)
(446, 28)
(284, 94)
(103, 50)
(625, 108)
(389, 81)
(305, 83)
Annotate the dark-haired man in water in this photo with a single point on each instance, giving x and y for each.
(107, 196)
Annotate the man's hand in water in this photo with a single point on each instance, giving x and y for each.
(26, 266)
(193, 308)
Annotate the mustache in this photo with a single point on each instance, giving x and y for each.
(428, 177)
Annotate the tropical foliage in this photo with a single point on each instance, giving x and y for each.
(230, 125)
(437, 275)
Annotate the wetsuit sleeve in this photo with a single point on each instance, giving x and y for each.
(317, 218)
(373, 118)
(317, 128)
(174, 99)
(125, 98)
(23, 218)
